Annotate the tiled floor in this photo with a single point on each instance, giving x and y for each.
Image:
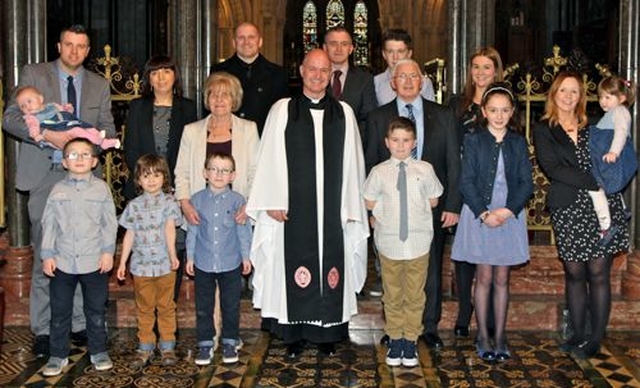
(536, 362)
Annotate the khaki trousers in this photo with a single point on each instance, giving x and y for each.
(404, 298)
(153, 293)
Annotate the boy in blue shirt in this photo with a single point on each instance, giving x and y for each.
(79, 229)
(218, 254)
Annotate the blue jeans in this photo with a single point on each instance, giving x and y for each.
(230, 288)
(95, 290)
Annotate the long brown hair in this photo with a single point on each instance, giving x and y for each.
(551, 109)
(469, 86)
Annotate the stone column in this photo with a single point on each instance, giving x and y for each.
(25, 36)
(456, 29)
(191, 29)
(629, 58)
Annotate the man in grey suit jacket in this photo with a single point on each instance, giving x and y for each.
(355, 85)
(40, 168)
(438, 144)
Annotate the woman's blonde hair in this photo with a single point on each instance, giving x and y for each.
(226, 82)
(551, 109)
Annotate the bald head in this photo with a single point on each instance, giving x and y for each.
(315, 71)
(247, 41)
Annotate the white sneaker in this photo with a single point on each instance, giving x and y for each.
(54, 366)
(101, 361)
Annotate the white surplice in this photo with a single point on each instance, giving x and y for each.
(270, 192)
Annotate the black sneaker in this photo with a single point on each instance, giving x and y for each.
(40, 347)
(229, 354)
(394, 353)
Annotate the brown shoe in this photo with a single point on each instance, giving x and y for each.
(169, 357)
(141, 358)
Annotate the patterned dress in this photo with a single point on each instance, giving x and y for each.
(576, 226)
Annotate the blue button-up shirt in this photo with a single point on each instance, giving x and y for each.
(218, 243)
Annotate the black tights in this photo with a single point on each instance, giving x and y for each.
(588, 284)
(488, 276)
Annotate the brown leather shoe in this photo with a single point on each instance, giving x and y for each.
(169, 357)
(141, 358)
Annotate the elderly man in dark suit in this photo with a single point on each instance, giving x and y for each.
(438, 144)
(64, 80)
(349, 83)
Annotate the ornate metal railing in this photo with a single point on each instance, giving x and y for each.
(435, 69)
(531, 86)
(125, 86)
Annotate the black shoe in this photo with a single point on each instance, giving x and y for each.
(328, 348)
(384, 340)
(40, 347)
(295, 349)
(432, 340)
(586, 350)
(569, 345)
(79, 338)
(484, 353)
(461, 331)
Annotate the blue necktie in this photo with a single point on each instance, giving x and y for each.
(402, 189)
(412, 117)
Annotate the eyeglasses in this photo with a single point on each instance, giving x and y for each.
(405, 76)
(216, 170)
(79, 155)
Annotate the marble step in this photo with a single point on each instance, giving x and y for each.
(525, 313)
(537, 291)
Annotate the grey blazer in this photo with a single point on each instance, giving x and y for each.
(95, 108)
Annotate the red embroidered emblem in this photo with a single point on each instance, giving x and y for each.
(302, 277)
(333, 277)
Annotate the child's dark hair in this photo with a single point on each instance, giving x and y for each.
(220, 155)
(503, 89)
(401, 123)
(88, 142)
(152, 164)
(618, 87)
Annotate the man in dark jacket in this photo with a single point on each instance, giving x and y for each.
(263, 82)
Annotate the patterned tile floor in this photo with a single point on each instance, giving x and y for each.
(536, 362)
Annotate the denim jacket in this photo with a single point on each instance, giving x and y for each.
(479, 165)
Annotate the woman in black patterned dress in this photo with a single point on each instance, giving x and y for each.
(561, 144)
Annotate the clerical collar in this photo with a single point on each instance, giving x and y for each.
(314, 103)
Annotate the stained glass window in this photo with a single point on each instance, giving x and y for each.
(314, 27)
(309, 26)
(335, 14)
(360, 29)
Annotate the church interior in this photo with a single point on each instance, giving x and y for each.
(535, 38)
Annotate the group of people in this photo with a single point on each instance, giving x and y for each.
(289, 188)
